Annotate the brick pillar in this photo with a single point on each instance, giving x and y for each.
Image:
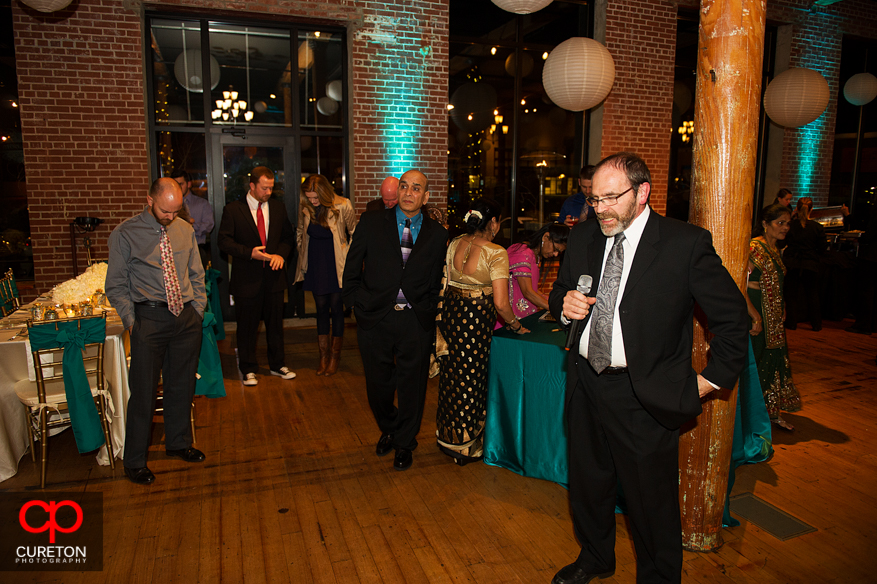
(637, 115)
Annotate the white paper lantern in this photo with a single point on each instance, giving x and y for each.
(47, 5)
(473, 106)
(187, 70)
(261, 107)
(681, 97)
(333, 89)
(578, 74)
(860, 89)
(796, 97)
(327, 106)
(522, 6)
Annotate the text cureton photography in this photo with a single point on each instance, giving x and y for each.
(51, 531)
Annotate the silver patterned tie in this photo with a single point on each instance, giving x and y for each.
(600, 340)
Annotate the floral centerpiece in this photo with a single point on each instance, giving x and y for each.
(83, 287)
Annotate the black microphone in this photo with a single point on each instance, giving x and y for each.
(583, 286)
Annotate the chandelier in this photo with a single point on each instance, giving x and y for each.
(230, 108)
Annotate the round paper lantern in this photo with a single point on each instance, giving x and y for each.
(522, 6)
(261, 107)
(578, 74)
(476, 101)
(327, 106)
(681, 97)
(526, 64)
(187, 70)
(333, 89)
(177, 113)
(860, 88)
(47, 5)
(796, 97)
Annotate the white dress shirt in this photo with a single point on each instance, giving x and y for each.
(632, 236)
(253, 204)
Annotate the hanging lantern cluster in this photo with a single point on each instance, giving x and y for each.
(578, 74)
(796, 97)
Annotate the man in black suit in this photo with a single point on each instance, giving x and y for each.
(256, 232)
(389, 195)
(392, 280)
(630, 383)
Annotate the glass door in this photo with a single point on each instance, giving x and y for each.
(236, 156)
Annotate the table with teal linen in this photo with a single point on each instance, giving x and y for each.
(525, 429)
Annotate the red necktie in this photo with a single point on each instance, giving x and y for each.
(260, 224)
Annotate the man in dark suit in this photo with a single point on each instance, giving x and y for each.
(256, 232)
(392, 280)
(388, 197)
(630, 383)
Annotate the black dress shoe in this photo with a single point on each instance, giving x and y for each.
(385, 445)
(403, 460)
(572, 574)
(140, 476)
(188, 454)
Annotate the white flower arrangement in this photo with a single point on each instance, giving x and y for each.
(81, 288)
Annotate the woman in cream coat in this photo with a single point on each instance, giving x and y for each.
(325, 226)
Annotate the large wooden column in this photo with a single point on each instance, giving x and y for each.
(730, 54)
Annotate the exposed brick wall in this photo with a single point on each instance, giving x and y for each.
(637, 117)
(84, 124)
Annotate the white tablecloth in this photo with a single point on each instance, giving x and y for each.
(14, 360)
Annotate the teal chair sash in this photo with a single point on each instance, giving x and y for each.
(72, 336)
(211, 279)
(210, 382)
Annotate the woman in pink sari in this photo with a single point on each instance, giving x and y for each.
(524, 262)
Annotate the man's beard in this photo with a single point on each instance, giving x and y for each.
(623, 218)
(164, 222)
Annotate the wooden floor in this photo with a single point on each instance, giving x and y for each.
(292, 491)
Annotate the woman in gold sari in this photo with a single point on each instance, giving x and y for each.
(477, 288)
(767, 310)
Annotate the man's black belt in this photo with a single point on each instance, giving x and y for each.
(615, 371)
(152, 304)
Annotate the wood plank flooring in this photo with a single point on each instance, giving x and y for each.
(292, 491)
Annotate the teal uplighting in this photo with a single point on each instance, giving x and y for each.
(401, 108)
(810, 138)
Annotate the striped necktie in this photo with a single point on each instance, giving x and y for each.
(407, 244)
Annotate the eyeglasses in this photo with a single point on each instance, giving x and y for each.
(608, 200)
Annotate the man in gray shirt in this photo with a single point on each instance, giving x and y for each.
(155, 281)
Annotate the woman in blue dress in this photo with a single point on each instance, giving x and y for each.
(325, 226)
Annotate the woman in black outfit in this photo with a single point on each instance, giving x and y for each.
(805, 243)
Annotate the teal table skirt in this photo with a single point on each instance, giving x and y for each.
(525, 430)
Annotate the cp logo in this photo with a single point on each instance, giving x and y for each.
(51, 523)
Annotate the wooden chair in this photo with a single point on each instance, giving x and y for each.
(9, 299)
(68, 356)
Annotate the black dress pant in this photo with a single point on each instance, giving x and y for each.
(161, 343)
(395, 360)
(268, 307)
(613, 439)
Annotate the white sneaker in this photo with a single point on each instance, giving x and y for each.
(250, 379)
(283, 373)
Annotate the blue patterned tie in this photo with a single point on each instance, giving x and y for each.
(407, 244)
(600, 339)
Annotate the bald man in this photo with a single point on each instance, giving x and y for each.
(395, 301)
(161, 303)
(389, 195)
